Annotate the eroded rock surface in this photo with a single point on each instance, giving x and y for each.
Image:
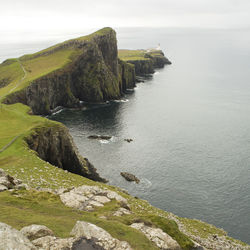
(156, 235)
(103, 238)
(33, 232)
(88, 197)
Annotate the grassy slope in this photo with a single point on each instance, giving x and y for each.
(26, 207)
(132, 55)
(137, 55)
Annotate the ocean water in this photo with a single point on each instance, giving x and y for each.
(189, 123)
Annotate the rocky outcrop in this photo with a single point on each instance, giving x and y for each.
(86, 198)
(152, 60)
(84, 236)
(55, 145)
(9, 182)
(101, 237)
(156, 235)
(158, 58)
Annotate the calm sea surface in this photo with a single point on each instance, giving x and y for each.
(190, 124)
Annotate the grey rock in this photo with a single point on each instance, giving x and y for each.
(33, 232)
(12, 239)
(156, 235)
(3, 188)
(5, 182)
(102, 237)
(53, 243)
(122, 211)
(130, 177)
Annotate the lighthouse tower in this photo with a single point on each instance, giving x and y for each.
(158, 47)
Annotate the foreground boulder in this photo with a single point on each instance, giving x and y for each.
(156, 235)
(102, 237)
(33, 232)
(130, 177)
(10, 239)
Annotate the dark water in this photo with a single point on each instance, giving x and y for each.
(190, 124)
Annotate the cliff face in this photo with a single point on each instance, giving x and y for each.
(127, 76)
(92, 76)
(144, 61)
(159, 60)
(55, 145)
(143, 67)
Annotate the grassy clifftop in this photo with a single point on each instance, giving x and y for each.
(34, 66)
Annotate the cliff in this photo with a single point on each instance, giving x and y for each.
(82, 69)
(55, 145)
(144, 61)
(29, 142)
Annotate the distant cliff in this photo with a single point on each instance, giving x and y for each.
(91, 73)
(82, 69)
(144, 61)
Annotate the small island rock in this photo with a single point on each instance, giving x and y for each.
(100, 137)
(130, 177)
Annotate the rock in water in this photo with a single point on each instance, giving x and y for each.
(10, 238)
(128, 140)
(130, 177)
(100, 137)
(33, 232)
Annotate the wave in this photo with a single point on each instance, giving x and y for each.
(120, 101)
(104, 141)
(145, 183)
(57, 112)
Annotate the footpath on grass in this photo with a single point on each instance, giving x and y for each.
(19, 82)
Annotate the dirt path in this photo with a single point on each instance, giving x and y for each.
(9, 144)
(19, 82)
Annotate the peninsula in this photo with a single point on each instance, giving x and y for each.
(51, 197)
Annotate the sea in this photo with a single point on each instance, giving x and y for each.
(190, 123)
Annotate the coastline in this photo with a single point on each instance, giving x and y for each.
(46, 159)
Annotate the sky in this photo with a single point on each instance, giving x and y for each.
(64, 15)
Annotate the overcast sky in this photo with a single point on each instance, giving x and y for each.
(43, 15)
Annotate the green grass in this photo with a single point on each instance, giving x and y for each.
(138, 55)
(22, 208)
(132, 55)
